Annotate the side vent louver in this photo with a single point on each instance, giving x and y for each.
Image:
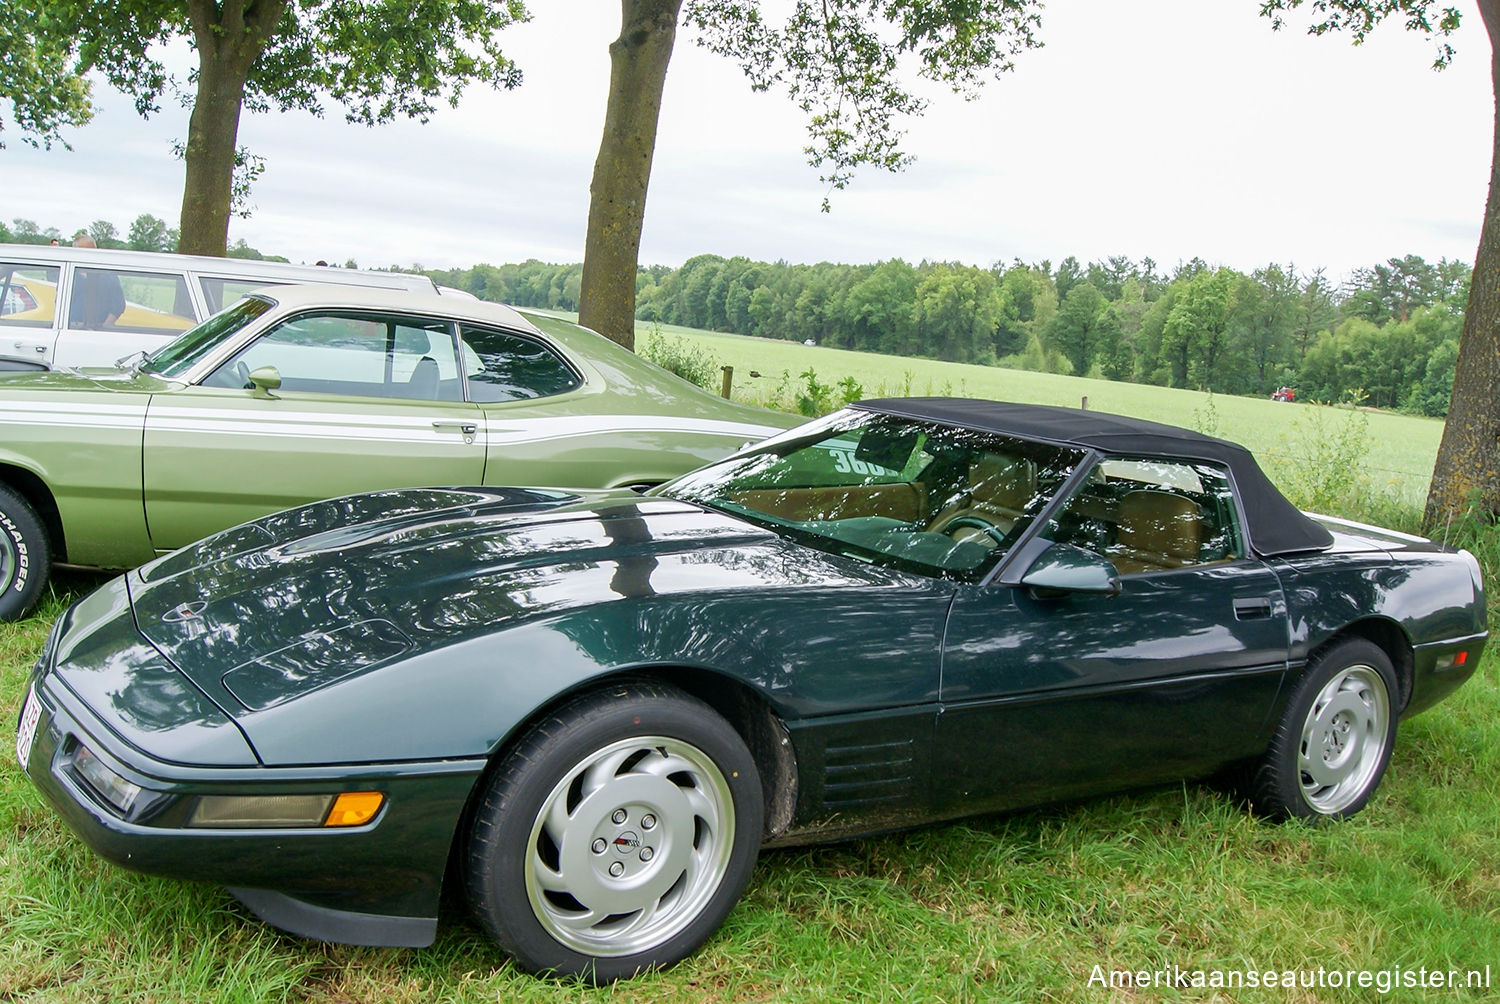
(868, 774)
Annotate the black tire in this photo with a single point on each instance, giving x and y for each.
(25, 556)
(616, 835)
(1333, 742)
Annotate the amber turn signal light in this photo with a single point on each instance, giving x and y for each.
(354, 808)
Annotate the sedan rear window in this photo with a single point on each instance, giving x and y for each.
(503, 366)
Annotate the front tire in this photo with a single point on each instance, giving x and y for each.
(1333, 743)
(25, 556)
(616, 836)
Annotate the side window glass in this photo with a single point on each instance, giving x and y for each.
(1152, 515)
(148, 302)
(502, 366)
(364, 355)
(220, 293)
(28, 295)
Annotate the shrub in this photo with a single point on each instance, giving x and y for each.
(678, 356)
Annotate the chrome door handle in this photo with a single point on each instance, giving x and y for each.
(467, 428)
(1257, 608)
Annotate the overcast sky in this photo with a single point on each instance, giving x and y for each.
(1168, 128)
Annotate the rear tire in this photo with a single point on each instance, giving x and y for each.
(616, 836)
(25, 556)
(1334, 739)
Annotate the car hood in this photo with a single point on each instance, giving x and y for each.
(302, 599)
(87, 380)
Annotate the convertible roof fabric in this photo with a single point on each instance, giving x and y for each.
(1275, 526)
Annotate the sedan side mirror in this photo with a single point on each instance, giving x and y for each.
(265, 379)
(1063, 568)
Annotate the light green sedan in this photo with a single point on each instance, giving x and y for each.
(308, 392)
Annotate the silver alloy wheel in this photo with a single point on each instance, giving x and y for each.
(1344, 739)
(629, 846)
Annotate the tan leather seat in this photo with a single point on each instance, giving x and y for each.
(1157, 530)
(1000, 488)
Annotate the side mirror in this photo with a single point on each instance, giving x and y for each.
(265, 379)
(1063, 568)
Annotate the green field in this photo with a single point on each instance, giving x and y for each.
(1401, 447)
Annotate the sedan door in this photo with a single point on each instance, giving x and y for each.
(1058, 693)
(366, 400)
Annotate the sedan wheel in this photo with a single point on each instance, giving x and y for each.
(617, 835)
(1335, 737)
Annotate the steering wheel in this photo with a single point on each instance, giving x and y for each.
(242, 374)
(976, 522)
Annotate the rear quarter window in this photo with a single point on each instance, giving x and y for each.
(28, 295)
(504, 366)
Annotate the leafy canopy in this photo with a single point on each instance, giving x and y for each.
(1359, 17)
(35, 76)
(840, 61)
(378, 58)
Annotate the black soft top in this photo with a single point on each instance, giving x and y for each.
(1274, 525)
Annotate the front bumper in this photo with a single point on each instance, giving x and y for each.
(376, 884)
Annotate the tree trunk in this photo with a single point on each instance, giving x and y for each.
(617, 205)
(212, 131)
(1468, 460)
(229, 38)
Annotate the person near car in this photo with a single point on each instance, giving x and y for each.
(98, 301)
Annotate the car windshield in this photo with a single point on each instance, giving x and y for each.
(180, 354)
(916, 495)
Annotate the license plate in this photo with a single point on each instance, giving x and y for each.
(30, 715)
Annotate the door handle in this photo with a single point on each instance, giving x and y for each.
(1257, 608)
(467, 428)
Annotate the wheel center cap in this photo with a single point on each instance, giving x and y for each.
(626, 842)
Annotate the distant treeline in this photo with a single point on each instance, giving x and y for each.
(1389, 335)
(146, 233)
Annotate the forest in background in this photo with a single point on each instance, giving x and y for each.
(1386, 337)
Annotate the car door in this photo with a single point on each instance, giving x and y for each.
(28, 314)
(1051, 694)
(113, 312)
(366, 400)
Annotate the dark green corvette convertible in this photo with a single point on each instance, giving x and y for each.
(592, 709)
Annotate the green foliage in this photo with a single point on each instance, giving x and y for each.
(1320, 463)
(379, 59)
(37, 79)
(681, 357)
(1359, 17)
(840, 62)
(816, 396)
(1206, 417)
(151, 233)
(1082, 325)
